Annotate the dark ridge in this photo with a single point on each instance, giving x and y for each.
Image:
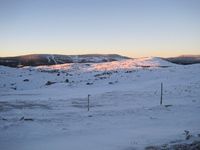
(184, 59)
(48, 59)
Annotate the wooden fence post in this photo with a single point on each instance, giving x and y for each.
(88, 102)
(161, 93)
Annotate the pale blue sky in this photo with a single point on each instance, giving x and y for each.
(129, 27)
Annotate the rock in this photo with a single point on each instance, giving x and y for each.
(129, 71)
(50, 82)
(26, 80)
(88, 83)
(26, 119)
(187, 135)
(168, 106)
(14, 88)
(22, 118)
(4, 119)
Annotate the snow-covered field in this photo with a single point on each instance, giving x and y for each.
(45, 107)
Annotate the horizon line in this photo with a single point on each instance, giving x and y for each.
(98, 54)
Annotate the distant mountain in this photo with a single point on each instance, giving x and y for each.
(48, 59)
(185, 59)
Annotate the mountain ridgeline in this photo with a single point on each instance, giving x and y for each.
(184, 59)
(48, 59)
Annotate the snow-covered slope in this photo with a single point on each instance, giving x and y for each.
(75, 73)
(45, 107)
(115, 65)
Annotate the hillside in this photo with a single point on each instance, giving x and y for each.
(47, 59)
(46, 107)
(79, 73)
(184, 59)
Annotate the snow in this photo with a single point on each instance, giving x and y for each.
(115, 65)
(52, 57)
(125, 112)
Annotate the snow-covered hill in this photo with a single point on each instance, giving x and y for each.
(45, 107)
(75, 73)
(47, 59)
(185, 59)
(124, 64)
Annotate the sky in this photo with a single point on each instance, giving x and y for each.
(134, 28)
